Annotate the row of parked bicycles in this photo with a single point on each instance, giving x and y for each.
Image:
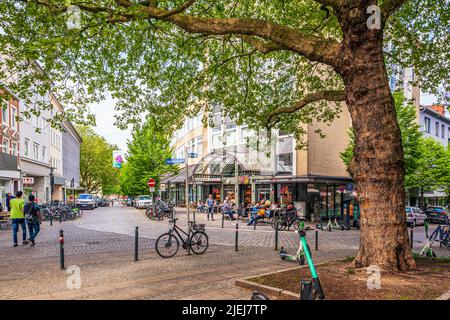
(162, 210)
(60, 211)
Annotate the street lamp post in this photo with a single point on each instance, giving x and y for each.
(52, 183)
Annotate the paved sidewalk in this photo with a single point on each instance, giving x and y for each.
(101, 244)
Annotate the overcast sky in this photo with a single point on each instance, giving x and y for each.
(105, 113)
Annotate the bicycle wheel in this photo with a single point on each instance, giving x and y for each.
(167, 245)
(297, 223)
(199, 242)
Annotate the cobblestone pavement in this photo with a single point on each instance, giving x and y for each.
(101, 244)
(123, 220)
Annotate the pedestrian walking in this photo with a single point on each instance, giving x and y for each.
(210, 205)
(33, 219)
(17, 218)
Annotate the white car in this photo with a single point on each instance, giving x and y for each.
(142, 202)
(86, 201)
(415, 216)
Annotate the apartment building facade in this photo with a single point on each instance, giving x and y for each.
(71, 142)
(35, 156)
(9, 148)
(235, 162)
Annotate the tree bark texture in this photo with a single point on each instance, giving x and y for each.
(377, 166)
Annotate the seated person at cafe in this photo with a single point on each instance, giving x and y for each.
(258, 212)
(227, 208)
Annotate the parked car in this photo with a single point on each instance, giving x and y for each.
(415, 216)
(129, 202)
(104, 202)
(437, 214)
(142, 202)
(86, 201)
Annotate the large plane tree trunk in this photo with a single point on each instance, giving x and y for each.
(377, 167)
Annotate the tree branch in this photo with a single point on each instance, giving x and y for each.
(314, 48)
(181, 8)
(328, 95)
(332, 3)
(388, 7)
(261, 46)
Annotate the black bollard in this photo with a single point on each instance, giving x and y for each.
(317, 239)
(223, 217)
(51, 219)
(254, 224)
(136, 244)
(60, 217)
(61, 249)
(237, 237)
(412, 236)
(276, 239)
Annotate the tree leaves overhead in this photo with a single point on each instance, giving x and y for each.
(152, 67)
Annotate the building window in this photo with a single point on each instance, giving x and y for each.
(4, 108)
(437, 128)
(35, 151)
(13, 117)
(443, 131)
(27, 144)
(5, 145)
(34, 120)
(284, 150)
(44, 153)
(427, 125)
(14, 149)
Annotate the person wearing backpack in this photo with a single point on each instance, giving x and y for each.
(32, 216)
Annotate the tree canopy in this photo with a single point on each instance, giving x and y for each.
(96, 171)
(147, 152)
(276, 57)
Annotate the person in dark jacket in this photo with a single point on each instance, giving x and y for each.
(31, 211)
(9, 197)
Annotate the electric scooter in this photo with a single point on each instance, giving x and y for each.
(331, 225)
(310, 289)
(298, 257)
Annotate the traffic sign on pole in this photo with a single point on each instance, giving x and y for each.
(152, 189)
(151, 183)
(175, 161)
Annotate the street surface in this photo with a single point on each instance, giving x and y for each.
(101, 244)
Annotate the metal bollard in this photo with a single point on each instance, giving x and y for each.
(51, 219)
(237, 237)
(276, 239)
(60, 217)
(223, 218)
(136, 244)
(425, 224)
(254, 224)
(317, 239)
(61, 249)
(411, 238)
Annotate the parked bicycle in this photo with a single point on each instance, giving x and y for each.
(287, 219)
(195, 240)
(60, 211)
(441, 235)
(162, 210)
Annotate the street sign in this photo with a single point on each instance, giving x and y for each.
(28, 180)
(175, 161)
(151, 183)
(152, 189)
(192, 155)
